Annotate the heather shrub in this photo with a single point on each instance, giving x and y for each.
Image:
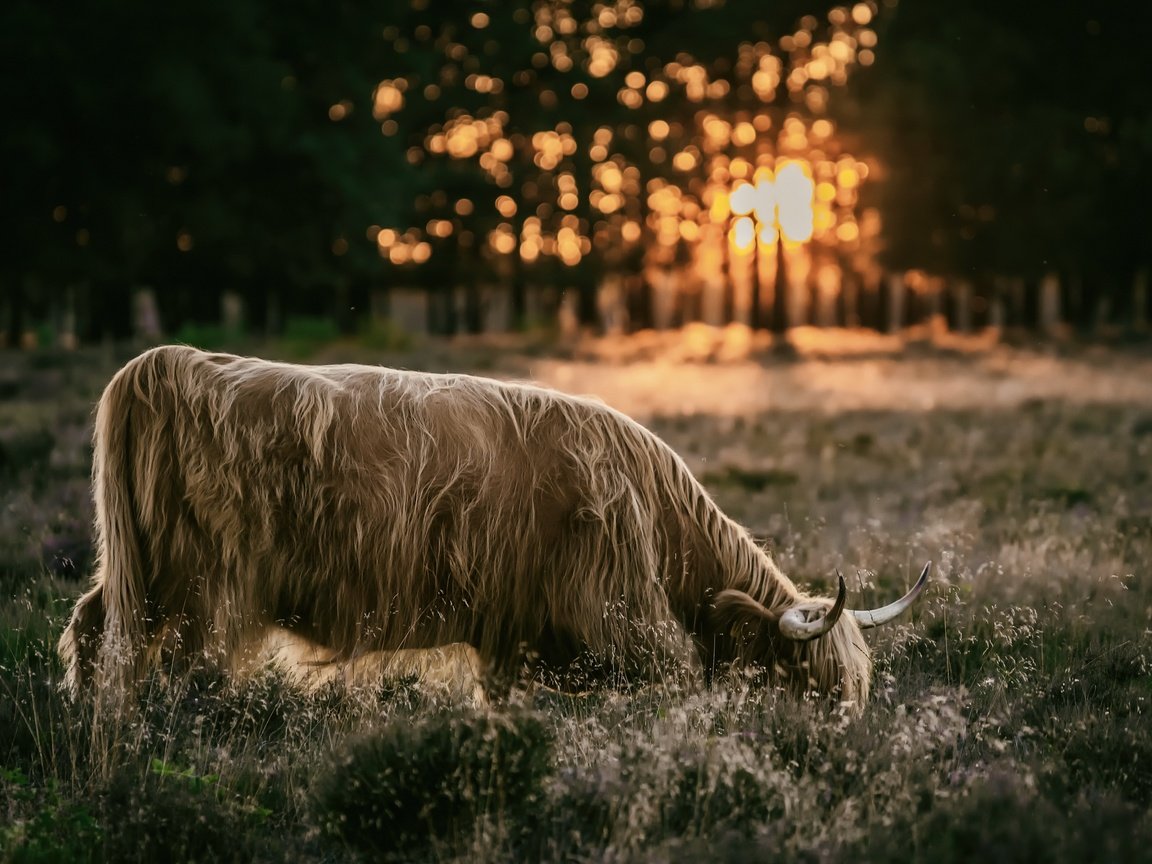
(431, 783)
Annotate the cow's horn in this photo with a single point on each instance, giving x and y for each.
(794, 623)
(876, 617)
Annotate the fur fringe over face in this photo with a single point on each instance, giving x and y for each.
(372, 509)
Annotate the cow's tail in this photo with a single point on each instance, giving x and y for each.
(105, 642)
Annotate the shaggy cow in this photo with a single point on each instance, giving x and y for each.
(370, 509)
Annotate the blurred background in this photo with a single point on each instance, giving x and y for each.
(247, 168)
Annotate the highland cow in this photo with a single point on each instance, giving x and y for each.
(371, 509)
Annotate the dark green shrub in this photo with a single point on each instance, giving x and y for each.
(384, 334)
(41, 827)
(177, 815)
(25, 449)
(1002, 818)
(1109, 750)
(586, 806)
(396, 790)
(709, 798)
(725, 846)
(303, 336)
(209, 337)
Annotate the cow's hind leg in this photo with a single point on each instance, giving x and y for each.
(79, 646)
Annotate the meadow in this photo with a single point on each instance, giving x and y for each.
(1010, 716)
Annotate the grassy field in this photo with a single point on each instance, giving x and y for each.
(1011, 712)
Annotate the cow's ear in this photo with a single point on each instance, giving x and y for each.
(733, 610)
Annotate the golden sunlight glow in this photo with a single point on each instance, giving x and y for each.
(717, 132)
(611, 177)
(502, 149)
(794, 193)
(743, 199)
(744, 134)
(439, 228)
(822, 128)
(764, 199)
(745, 164)
(502, 239)
(743, 234)
(656, 91)
(608, 202)
(685, 160)
(506, 206)
(551, 148)
(602, 56)
(568, 246)
(721, 207)
(388, 98)
(787, 205)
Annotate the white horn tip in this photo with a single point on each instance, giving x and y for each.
(876, 617)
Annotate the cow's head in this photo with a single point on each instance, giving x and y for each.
(815, 644)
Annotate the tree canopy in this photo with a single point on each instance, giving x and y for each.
(296, 154)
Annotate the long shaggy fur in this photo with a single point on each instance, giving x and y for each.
(373, 509)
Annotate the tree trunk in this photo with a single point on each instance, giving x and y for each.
(639, 291)
(146, 318)
(359, 304)
(518, 288)
(447, 294)
(871, 301)
(1049, 303)
(754, 305)
(273, 312)
(779, 324)
(896, 302)
(587, 286)
(14, 312)
(1072, 301)
(960, 317)
(1140, 299)
(1030, 305)
(848, 300)
(827, 289)
(473, 304)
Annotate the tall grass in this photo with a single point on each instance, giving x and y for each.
(1009, 720)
